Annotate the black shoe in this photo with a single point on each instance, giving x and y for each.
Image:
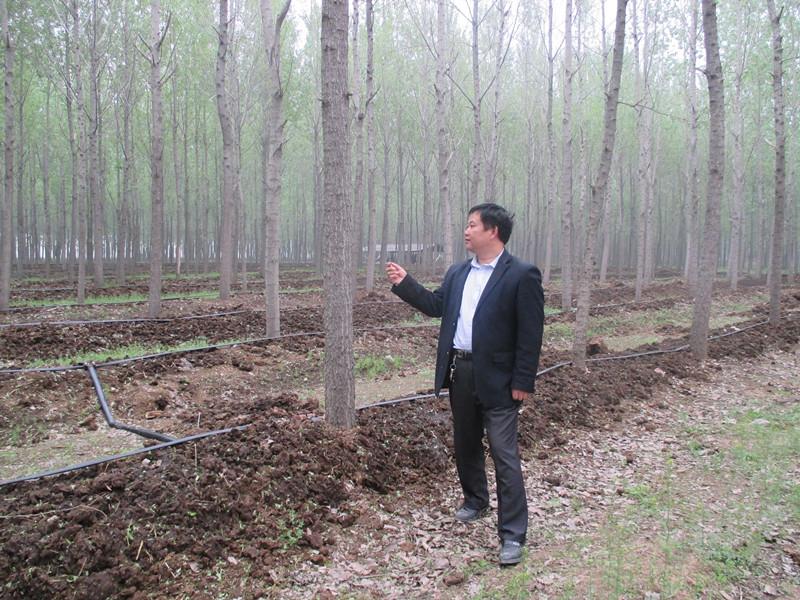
(465, 514)
(510, 552)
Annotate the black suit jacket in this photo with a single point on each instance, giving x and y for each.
(506, 330)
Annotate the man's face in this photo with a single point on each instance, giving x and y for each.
(476, 237)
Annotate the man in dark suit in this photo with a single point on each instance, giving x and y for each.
(492, 310)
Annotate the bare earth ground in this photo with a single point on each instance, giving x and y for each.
(666, 504)
(620, 498)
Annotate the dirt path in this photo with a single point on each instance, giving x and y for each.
(697, 494)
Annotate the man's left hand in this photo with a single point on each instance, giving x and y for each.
(520, 395)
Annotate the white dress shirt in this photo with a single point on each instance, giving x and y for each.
(477, 278)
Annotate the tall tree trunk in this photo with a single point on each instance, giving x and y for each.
(599, 191)
(551, 150)
(80, 155)
(95, 197)
(176, 170)
(716, 171)
(776, 251)
(474, 192)
(358, 121)
(156, 159)
(386, 185)
(372, 211)
(8, 157)
(492, 157)
(444, 153)
(228, 159)
(273, 154)
(48, 231)
(692, 208)
(566, 167)
(123, 235)
(737, 200)
(337, 219)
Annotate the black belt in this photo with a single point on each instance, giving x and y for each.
(462, 354)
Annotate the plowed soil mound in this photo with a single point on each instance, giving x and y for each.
(21, 345)
(279, 490)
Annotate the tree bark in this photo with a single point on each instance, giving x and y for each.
(716, 171)
(228, 159)
(692, 208)
(273, 153)
(566, 167)
(337, 219)
(599, 187)
(776, 251)
(80, 154)
(156, 159)
(443, 154)
(358, 120)
(95, 197)
(551, 151)
(8, 158)
(474, 191)
(372, 210)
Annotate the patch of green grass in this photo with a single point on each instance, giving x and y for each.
(419, 319)
(128, 351)
(290, 530)
(202, 294)
(514, 587)
(371, 366)
(305, 290)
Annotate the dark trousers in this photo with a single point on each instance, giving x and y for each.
(470, 419)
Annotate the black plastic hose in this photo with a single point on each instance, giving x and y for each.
(112, 422)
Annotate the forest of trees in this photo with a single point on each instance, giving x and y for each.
(190, 134)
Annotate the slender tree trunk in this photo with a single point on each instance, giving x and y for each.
(599, 191)
(692, 209)
(8, 157)
(776, 251)
(95, 197)
(551, 151)
(494, 130)
(737, 201)
(176, 169)
(48, 232)
(225, 249)
(156, 159)
(337, 219)
(386, 185)
(372, 210)
(566, 167)
(358, 120)
(273, 153)
(80, 155)
(716, 170)
(444, 153)
(477, 101)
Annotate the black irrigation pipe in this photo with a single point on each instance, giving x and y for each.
(115, 457)
(199, 436)
(112, 422)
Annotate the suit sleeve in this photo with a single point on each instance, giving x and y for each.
(428, 302)
(530, 327)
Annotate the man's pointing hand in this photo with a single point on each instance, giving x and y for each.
(395, 273)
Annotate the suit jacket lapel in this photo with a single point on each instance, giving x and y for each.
(499, 270)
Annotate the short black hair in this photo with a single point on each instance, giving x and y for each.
(493, 215)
